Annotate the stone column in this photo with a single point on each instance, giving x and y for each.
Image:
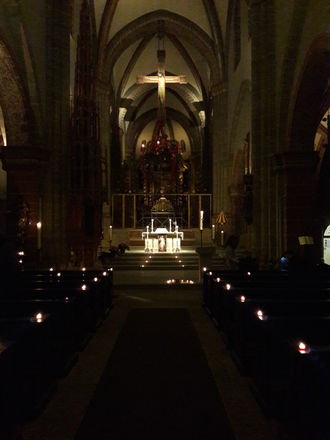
(25, 166)
(237, 195)
(220, 149)
(261, 19)
(57, 132)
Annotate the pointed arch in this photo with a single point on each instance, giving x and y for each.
(148, 25)
(312, 98)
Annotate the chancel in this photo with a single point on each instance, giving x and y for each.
(171, 159)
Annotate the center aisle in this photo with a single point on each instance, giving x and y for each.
(157, 384)
(66, 411)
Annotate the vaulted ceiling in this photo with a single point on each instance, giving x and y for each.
(127, 34)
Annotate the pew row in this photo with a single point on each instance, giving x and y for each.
(46, 318)
(277, 330)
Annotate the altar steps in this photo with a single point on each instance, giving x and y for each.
(165, 261)
(136, 268)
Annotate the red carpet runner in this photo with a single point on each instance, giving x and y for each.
(156, 384)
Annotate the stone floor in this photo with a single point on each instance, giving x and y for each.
(61, 418)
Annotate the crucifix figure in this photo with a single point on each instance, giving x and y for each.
(162, 80)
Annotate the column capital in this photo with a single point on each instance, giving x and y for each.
(219, 88)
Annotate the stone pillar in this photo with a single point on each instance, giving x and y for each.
(220, 149)
(237, 196)
(25, 166)
(57, 132)
(263, 136)
(299, 197)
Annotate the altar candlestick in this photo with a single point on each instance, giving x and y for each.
(222, 238)
(177, 239)
(213, 232)
(152, 225)
(110, 233)
(201, 220)
(170, 224)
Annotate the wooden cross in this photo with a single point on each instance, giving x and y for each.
(162, 80)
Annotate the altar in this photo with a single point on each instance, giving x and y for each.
(162, 240)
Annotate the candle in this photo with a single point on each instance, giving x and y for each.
(152, 225)
(213, 232)
(201, 220)
(170, 225)
(222, 238)
(110, 233)
(39, 226)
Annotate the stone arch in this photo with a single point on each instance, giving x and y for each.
(217, 33)
(138, 51)
(148, 25)
(137, 95)
(136, 127)
(302, 200)
(312, 95)
(13, 100)
(289, 66)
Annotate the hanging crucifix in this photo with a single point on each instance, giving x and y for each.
(161, 79)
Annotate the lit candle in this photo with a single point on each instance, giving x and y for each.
(201, 220)
(222, 238)
(170, 225)
(110, 232)
(213, 232)
(39, 226)
(152, 225)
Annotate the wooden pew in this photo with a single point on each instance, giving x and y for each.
(73, 303)
(25, 375)
(279, 344)
(98, 288)
(245, 323)
(297, 309)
